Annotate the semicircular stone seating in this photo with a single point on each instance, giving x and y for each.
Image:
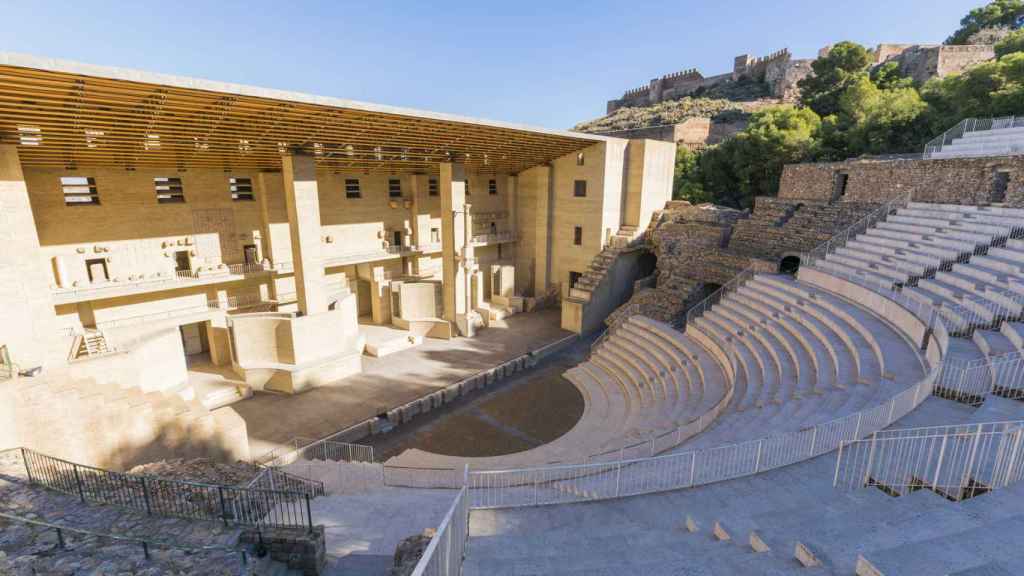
(967, 261)
(804, 356)
(644, 380)
(792, 352)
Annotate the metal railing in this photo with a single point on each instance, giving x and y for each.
(494, 237)
(698, 309)
(599, 481)
(447, 548)
(144, 543)
(162, 497)
(326, 449)
(625, 314)
(839, 240)
(972, 125)
(970, 382)
(957, 461)
(275, 479)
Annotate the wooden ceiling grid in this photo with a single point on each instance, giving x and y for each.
(74, 120)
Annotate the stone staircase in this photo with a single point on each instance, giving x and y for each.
(92, 343)
(780, 227)
(599, 266)
(966, 261)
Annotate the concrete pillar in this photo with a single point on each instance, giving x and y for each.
(418, 188)
(456, 248)
(303, 202)
(512, 205)
(28, 322)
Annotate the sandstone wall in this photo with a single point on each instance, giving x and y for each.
(957, 180)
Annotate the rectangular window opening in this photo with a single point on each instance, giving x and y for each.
(394, 188)
(241, 189)
(492, 187)
(352, 189)
(79, 191)
(169, 190)
(577, 236)
(432, 187)
(579, 188)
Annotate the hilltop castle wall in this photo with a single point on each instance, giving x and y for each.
(778, 69)
(781, 72)
(923, 62)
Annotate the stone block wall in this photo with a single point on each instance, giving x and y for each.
(925, 61)
(955, 180)
(304, 551)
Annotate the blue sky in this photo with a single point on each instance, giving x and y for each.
(550, 63)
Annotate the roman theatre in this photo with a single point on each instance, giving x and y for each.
(513, 336)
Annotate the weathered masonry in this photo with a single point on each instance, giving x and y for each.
(960, 180)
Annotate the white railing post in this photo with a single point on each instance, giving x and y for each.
(970, 460)
(1014, 453)
(938, 466)
(839, 463)
(871, 459)
(757, 461)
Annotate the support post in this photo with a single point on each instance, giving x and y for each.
(302, 200)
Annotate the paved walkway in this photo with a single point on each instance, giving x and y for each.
(363, 530)
(387, 382)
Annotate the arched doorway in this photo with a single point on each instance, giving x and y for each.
(789, 265)
(707, 289)
(648, 264)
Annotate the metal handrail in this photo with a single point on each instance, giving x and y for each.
(839, 240)
(959, 462)
(60, 529)
(630, 311)
(446, 550)
(167, 497)
(968, 126)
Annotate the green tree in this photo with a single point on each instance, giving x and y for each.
(845, 63)
(750, 164)
(999, 13)
(991, 89)
(1014, 42)
(888, 76)
(687, 184)
(877, 121)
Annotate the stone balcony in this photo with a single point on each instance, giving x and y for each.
(139, 285)
(494, 238)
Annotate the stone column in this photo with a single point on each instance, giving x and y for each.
(512, 203)
(456, 251)
(303, 201)
(418, 188)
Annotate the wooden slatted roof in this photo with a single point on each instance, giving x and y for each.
(66, 114)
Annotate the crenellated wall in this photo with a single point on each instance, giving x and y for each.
(777, 69)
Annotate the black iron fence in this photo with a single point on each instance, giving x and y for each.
(162, 497)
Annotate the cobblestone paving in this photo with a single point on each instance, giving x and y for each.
(29, 549)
